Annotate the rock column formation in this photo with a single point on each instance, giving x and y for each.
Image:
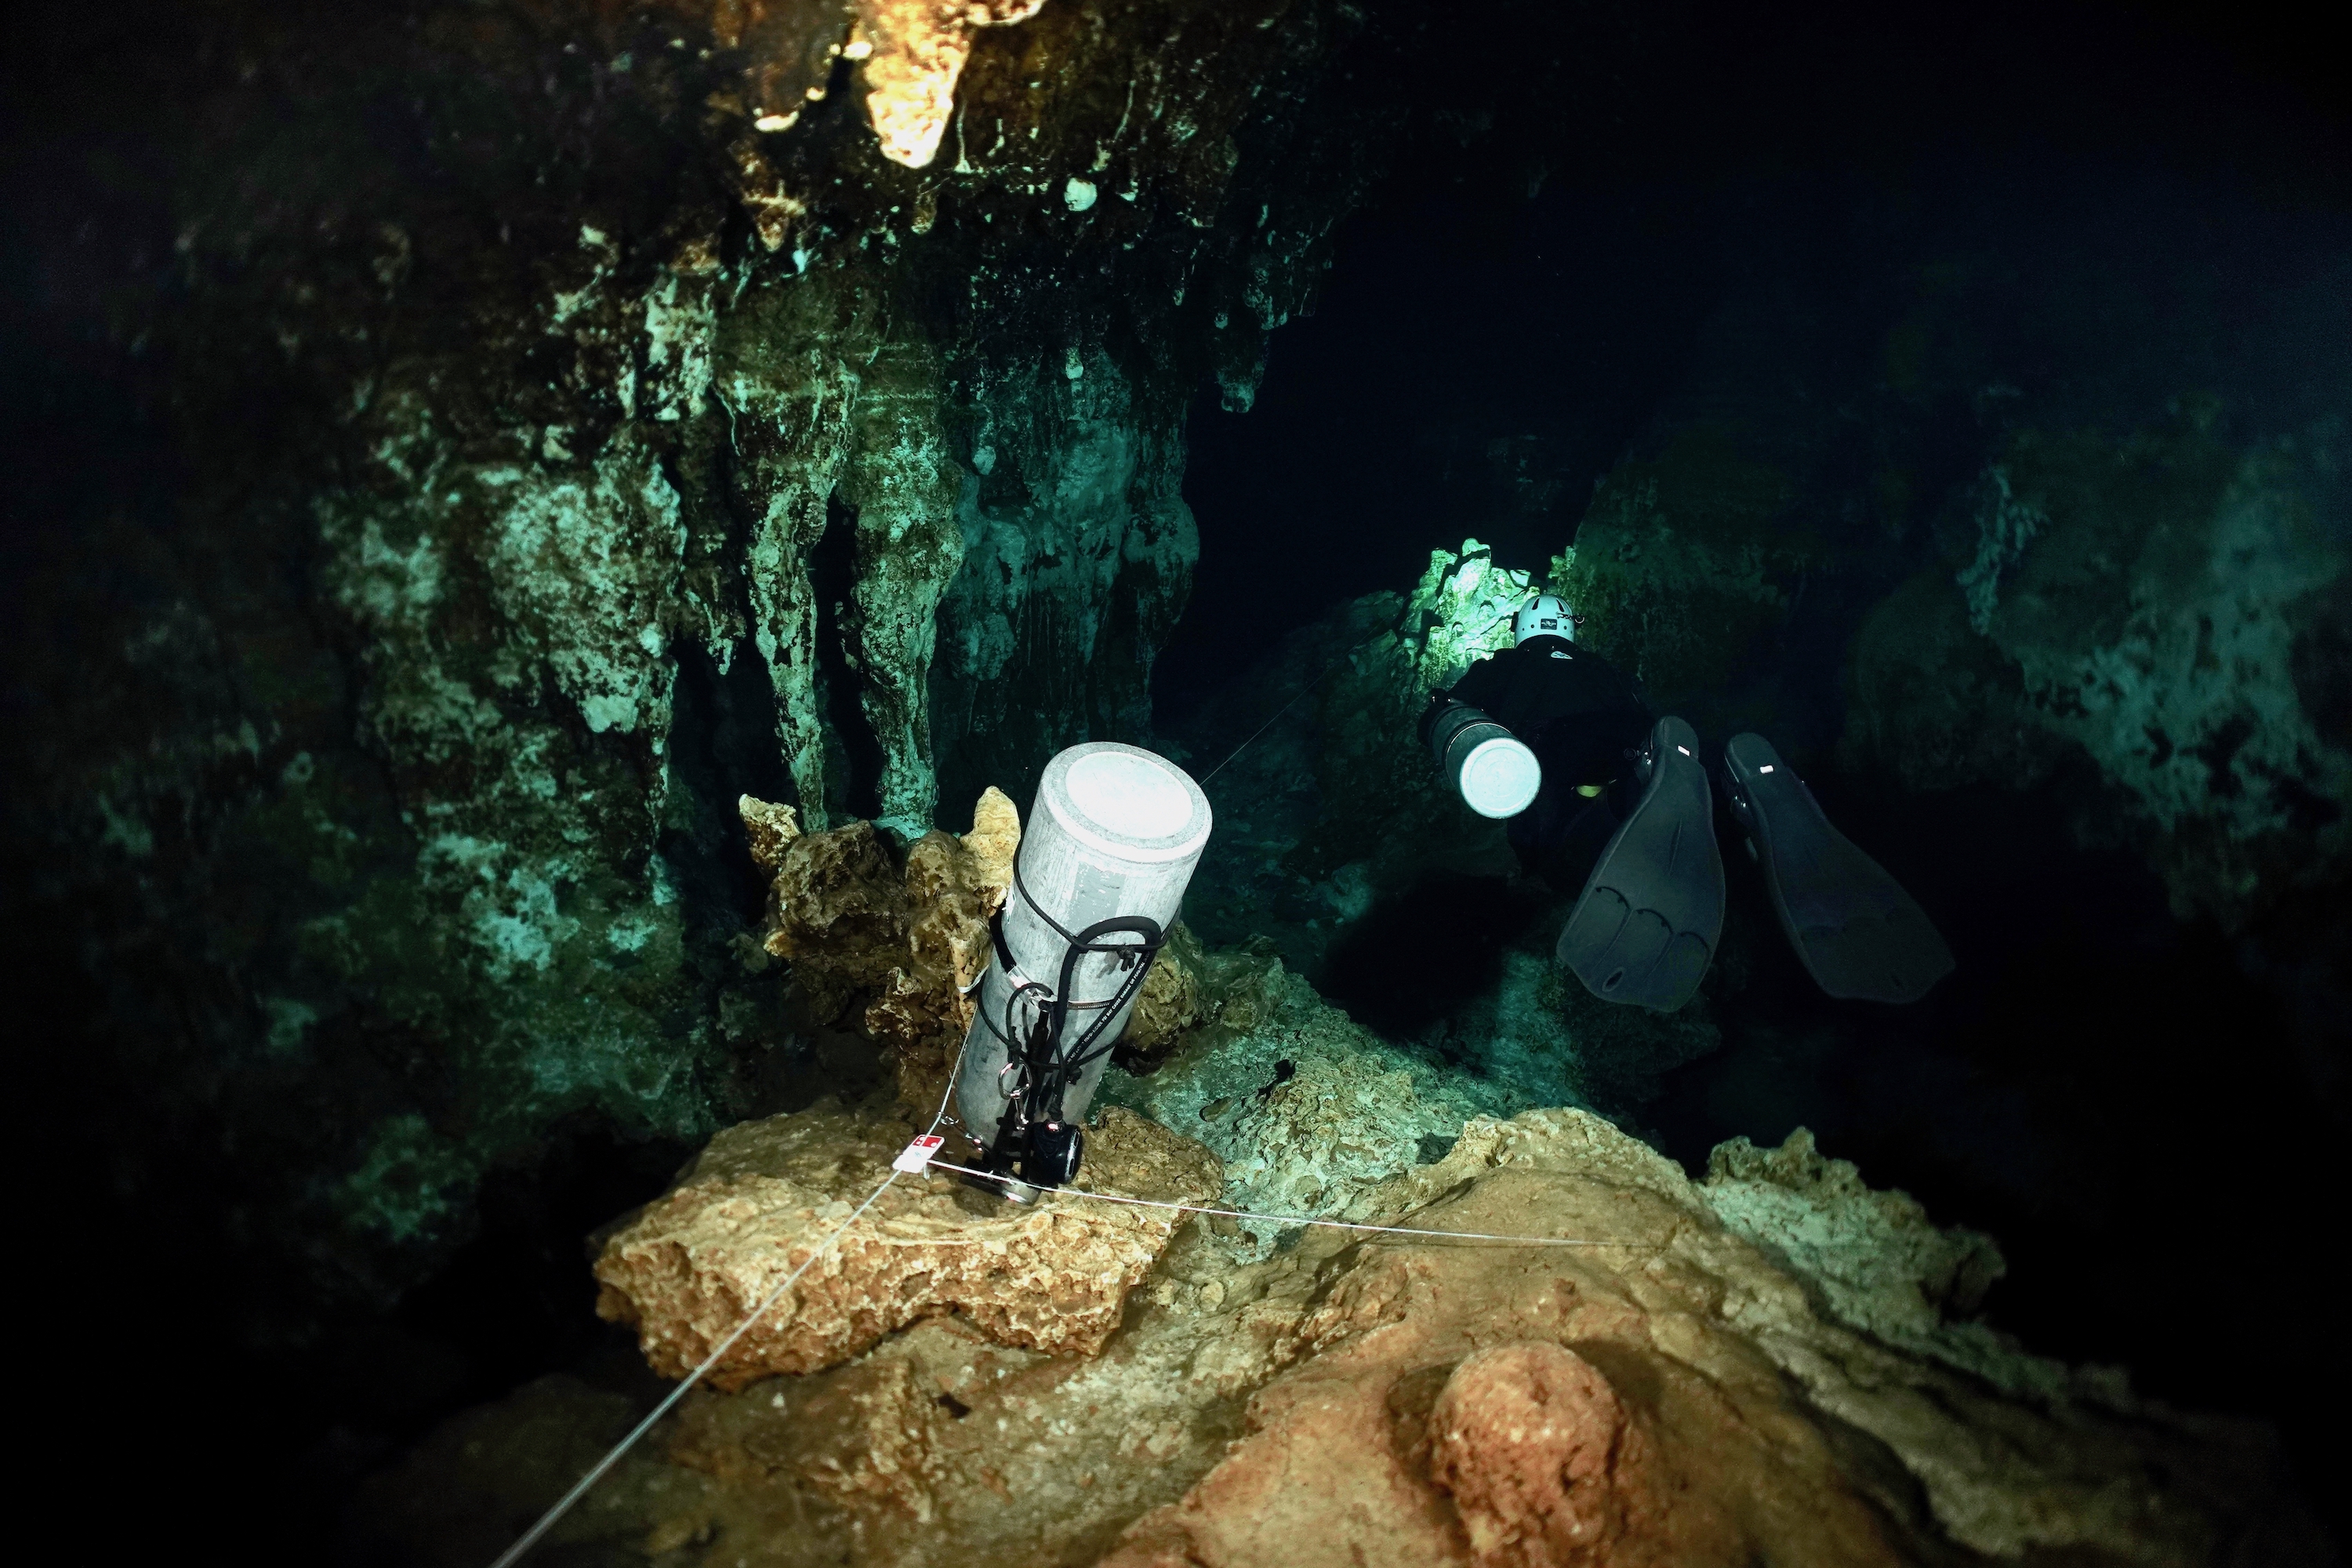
(587, 418)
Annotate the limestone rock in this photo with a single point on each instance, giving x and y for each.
(871, 1433)
(1309, 1113)
(1170, 1003)
(2075, 620)
(565, 465)
(994, 839)
(1662, 1394)
(1541, 1457)
(770, 827)
(839, 912)
(760, 1201)
(1684, 557)
(1462, 611)
(1880, 1263)
(953, 889)
(1666, 1396)
(908, 941)
(918, 50)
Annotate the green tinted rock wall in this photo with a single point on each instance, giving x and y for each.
(579, 421)
(2165, 606)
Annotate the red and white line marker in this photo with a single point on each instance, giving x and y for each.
(917, 1154)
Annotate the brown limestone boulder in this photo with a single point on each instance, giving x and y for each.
(897, 941)
(760, 1201)
(1169, 1004)
(1540, 1457)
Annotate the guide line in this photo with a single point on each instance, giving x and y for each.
(1304, 1219)
(581, 1488)
(1304, 692)
(530, 1537)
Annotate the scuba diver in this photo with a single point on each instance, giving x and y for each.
(1604, 796)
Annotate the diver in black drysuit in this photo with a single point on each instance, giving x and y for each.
(1624, 818)
(1584, 719)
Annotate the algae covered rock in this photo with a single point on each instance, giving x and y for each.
(1686, 559)
(840, 914)
(1883, 1266)
(1192, 986)
(2166, 608)
(788, 443)
(1168, 1003)
(1308, 1112)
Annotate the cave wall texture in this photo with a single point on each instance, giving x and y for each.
(587, 415)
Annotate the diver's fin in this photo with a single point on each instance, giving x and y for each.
(1645, 928)
(1858, 931)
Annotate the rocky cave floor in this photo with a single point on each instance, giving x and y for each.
(1774, 1362)
(1746, 1369)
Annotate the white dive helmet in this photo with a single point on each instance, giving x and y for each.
(1546, 616)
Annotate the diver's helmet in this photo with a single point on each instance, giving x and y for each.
(1545, 616)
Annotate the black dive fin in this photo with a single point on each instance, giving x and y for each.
(1646, 926)
(1858, 931)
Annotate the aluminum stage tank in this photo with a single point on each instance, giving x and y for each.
(1114, 831)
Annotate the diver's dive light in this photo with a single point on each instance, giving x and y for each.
(1493, 769)
(1110, 844)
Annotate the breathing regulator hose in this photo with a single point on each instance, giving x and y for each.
(1032, 1134)
(1109, 848)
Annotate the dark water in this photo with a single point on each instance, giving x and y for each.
(2126, 1099)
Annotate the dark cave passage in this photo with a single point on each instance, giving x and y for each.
(1390, 425)
(2058, 1090)
(850, 742)
(1418, 956)
(724, 746)
(2054, 1091)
